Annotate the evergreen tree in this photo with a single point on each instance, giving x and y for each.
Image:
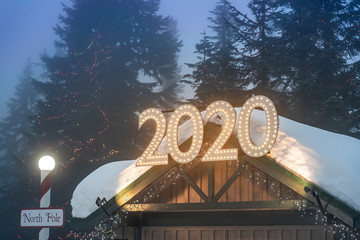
(16, 141)
(216, 73)
(256, 43)
(321, 39)
(303, 54)
(260, 51)
(203, 71)
(88, 114)
(95, 90)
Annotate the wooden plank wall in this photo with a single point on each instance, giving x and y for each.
(238, 233)
(251, 185)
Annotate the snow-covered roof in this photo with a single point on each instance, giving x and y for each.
(326, 159)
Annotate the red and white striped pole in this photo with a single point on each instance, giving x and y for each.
(46, 164)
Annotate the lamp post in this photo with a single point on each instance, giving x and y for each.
(46, 164)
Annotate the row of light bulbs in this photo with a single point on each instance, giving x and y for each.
(198, 133)
(272, 124)
(215, 152)
(148, 157)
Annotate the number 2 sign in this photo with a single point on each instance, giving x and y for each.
(216, 151)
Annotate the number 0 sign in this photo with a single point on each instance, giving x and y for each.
(216, 151)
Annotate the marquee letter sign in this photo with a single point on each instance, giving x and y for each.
(244, 126)
(148, 157)
(216, 151)
(198, 133)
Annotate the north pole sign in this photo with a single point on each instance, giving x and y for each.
(42, 217)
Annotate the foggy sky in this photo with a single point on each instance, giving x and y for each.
(27, 31)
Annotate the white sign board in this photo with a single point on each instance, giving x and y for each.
(42, 217)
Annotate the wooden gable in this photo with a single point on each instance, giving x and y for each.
(226, 200)
(222, 185)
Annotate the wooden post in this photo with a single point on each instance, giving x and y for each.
(210, 181)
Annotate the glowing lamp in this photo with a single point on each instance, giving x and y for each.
(46, 163)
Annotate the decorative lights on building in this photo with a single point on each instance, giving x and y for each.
(246, 144)
(198, 133)
(216, 151)
(149, 157)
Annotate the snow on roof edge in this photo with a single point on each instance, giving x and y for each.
(309, 152)
(109, 179)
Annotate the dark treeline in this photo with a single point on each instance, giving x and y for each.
(303, 54)
(86, 110)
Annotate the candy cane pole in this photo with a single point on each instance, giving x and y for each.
(46, 164)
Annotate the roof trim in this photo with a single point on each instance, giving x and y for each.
(266, 164)
(122, 197)
(297, 183)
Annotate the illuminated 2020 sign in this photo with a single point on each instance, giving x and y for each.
(216, 151)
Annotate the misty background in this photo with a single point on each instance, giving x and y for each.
(80, 102)
(29, 32)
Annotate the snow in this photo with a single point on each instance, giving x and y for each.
(110, 179)
(105, 181)
(327, 159)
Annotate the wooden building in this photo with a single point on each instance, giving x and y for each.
(248, 199)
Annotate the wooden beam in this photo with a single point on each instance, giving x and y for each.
(297, 184)
(210, 219)
(215, 206)
(210, 181)
(193, 185)
(123, 196)
(126, 194)
(232, 179)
